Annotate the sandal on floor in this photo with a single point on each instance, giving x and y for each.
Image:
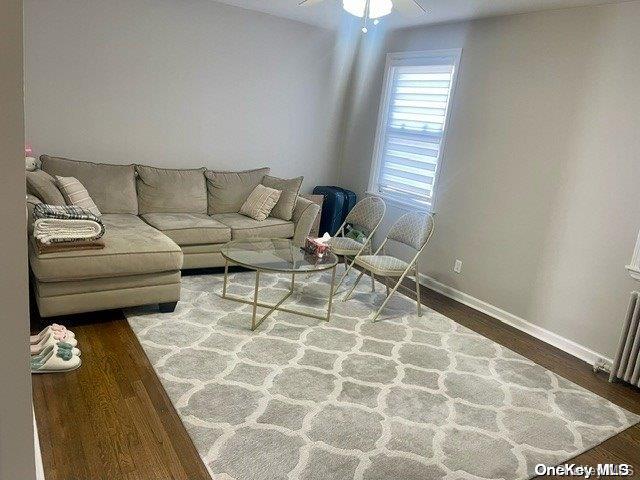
(54, 359)
(58, 330)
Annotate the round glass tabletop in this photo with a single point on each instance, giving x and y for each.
(275, 254)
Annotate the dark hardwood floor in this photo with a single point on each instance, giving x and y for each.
(111, 419)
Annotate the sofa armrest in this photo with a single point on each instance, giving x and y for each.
(304, 214)
(32, 201)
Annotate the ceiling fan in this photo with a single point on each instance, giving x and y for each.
(373, 10)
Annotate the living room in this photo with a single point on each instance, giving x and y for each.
(473, 315)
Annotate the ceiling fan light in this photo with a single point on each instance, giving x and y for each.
(377, 8)
(380, 8)
(354, 7)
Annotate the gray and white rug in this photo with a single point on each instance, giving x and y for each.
(406, 398)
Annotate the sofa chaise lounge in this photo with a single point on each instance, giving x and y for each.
(158, 222)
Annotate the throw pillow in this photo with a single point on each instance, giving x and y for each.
(260, 202)
(75, 194)
(227, 191)
(43, 186)
(289, 188)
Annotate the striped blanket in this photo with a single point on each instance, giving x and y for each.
(64, 212)
(70, 223)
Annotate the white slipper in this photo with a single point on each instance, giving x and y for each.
(37, 349)
(50, 339)
(49, 362)
(62, 334)
(56, 348)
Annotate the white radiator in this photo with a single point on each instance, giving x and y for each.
(626, 365)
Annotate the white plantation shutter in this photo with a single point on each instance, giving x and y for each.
(412, 126)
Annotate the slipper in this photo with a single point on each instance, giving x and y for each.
(36, 350)
(53, 328)
(62, 333)
(68, 346)
(50, 339)
(54, 359)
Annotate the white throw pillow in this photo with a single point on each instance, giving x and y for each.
(75, 194)
(260, 202)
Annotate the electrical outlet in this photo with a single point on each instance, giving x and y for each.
(457, 266)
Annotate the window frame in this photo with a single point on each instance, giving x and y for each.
(402, 59)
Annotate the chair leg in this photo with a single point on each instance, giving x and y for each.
(346, 297)
(347, 269)
(418, 301)
(373, 283)
(386, 284)
(391, 294)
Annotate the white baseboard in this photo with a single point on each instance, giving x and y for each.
(569, 346)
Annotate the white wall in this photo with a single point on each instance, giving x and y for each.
(181, 83)
(16, 427)
(539, 194)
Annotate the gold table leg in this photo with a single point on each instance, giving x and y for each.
(255, 302)
(226, 274)
(333, 280)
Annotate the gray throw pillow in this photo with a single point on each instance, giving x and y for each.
(227, 191)
(166, 190)
(290, 189)
(43, 186)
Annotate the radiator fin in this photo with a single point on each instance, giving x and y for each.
(626, 365)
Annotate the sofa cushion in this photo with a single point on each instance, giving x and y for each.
(227, 191)
(164, 190)
(189, 228)
(112, 187)
(287, 202)
(131, 248)
(43, 186)
(245, 227)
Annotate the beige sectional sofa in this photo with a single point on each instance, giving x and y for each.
(158, 222)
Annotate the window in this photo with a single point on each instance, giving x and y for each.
(412, 124)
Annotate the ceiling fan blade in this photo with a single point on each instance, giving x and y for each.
(308, 3)
(409, 7)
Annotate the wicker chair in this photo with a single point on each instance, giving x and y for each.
(367, 214)
(413, 230)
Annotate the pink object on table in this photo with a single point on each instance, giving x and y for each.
(316, 246)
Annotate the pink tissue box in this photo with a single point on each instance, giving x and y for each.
(316, 246)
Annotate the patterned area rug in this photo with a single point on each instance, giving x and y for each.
(406, 398)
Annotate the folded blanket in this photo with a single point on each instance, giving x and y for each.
(54, 230)
(63, 212)
(69, 246)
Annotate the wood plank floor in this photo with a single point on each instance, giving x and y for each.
(111, 419)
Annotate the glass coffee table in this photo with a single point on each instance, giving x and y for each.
(275, 256)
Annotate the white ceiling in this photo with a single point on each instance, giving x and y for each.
(330, 14)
